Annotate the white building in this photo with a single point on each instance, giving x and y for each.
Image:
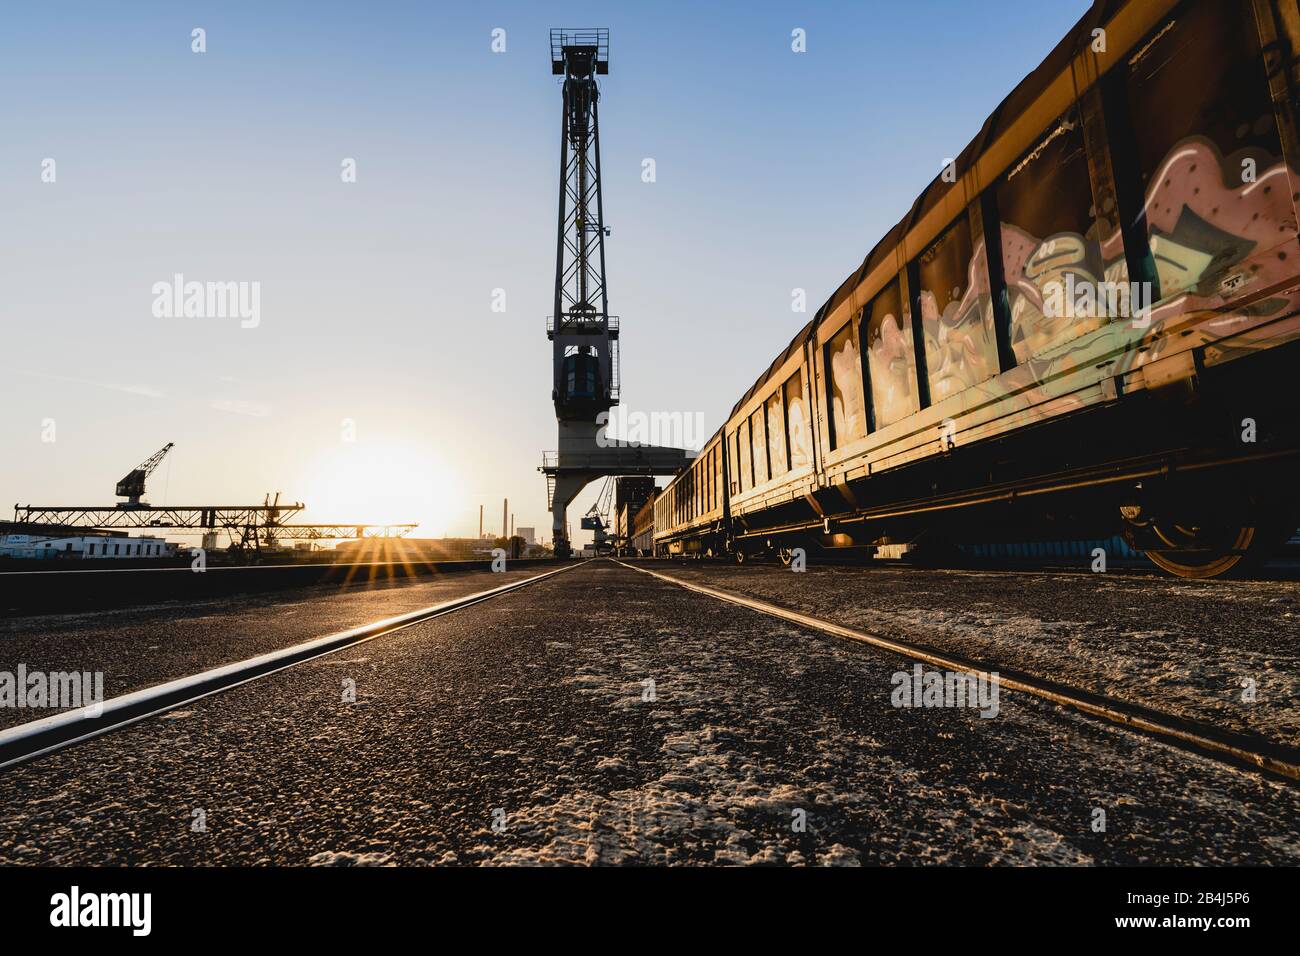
(87, 547)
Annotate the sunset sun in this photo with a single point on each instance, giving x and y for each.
(380, 482)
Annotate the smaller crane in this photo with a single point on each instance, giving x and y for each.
(597, 518)
(132, 486)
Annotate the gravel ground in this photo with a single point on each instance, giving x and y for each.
(141, 646)
(1183, 647)
(532, 711)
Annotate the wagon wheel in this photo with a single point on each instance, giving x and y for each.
(1197, 552)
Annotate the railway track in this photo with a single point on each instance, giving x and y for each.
(50, 734)
(38, 738)
(1241, 750)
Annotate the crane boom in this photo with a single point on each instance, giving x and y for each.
(132, 486)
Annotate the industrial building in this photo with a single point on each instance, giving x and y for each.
(630, 495)
(83, 545)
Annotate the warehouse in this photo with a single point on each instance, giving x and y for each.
(83, 546)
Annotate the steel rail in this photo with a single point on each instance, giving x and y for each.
(1244, 750)
(58, 731)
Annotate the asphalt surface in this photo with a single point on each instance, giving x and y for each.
(523, 730)
(142, 646)
(1183, 647)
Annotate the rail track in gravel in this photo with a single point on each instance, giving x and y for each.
(1242, 750)
(67, 728)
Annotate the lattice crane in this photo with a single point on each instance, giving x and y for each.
(132, 486)
(584, 336)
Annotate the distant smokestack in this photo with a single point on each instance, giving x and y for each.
(505, 514)
(480, 521)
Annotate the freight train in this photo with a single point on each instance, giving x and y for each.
(1087, 324)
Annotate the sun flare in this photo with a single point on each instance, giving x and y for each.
(382, 483)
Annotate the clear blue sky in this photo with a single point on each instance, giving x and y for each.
(775, 170)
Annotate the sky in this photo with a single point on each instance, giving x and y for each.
(377, 383)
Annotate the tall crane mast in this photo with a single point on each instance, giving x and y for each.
(585, 339)
(132, 486)
(584, 336)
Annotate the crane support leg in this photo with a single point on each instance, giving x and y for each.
(585, 454)
(567, 487)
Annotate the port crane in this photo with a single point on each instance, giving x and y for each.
(597, 517)
(584, 336)
(132, 486)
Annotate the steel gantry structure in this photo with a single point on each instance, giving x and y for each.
(181, 517)
(584, 336)
(250, 526)
(255, 525)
